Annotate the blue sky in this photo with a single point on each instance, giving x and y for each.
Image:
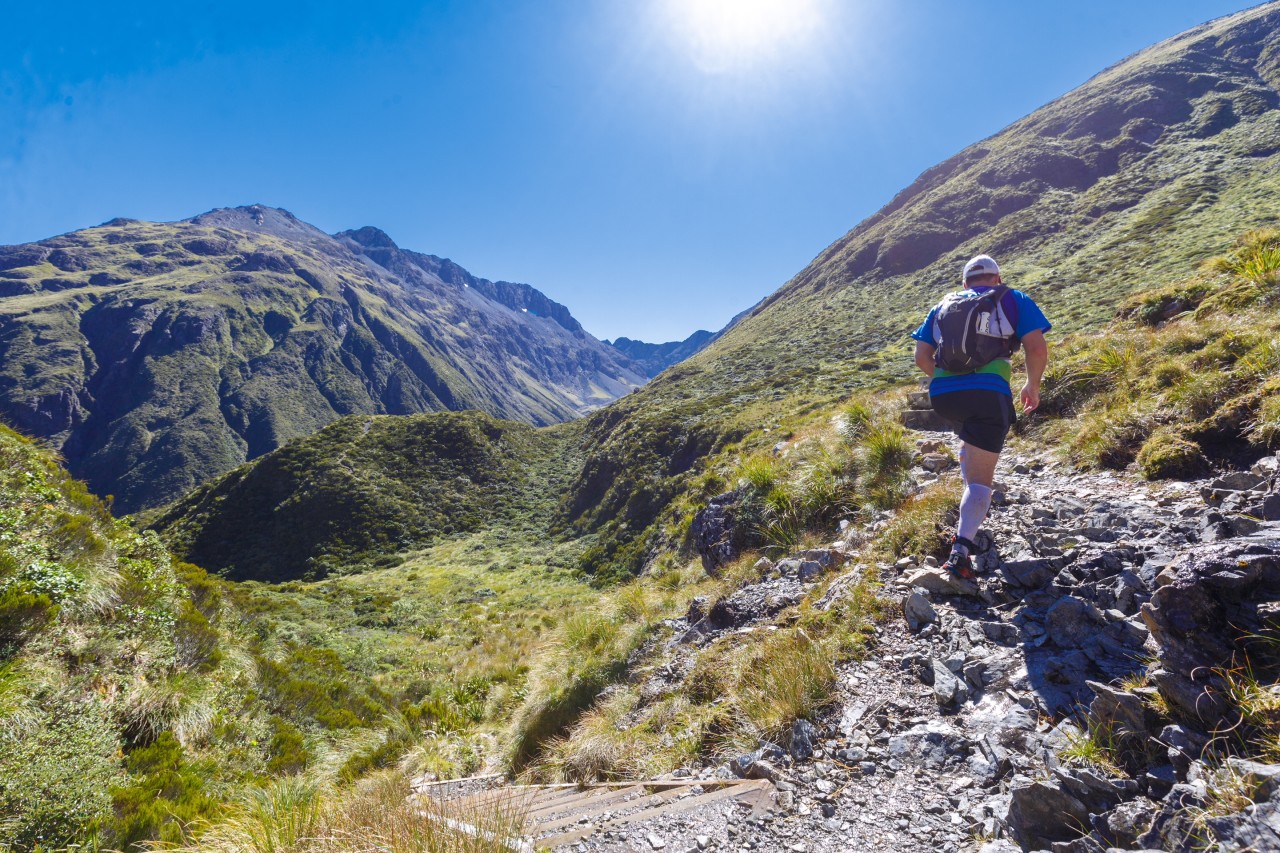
(652, 164)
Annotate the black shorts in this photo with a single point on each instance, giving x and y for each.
(979, 416)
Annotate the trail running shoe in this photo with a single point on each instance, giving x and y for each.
(959, 563)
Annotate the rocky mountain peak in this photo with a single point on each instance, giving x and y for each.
(258, 218)
(369, 237)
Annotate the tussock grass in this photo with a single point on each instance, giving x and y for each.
(920, 526)
(299, 816)
(789, 678)
(1176, 390)
(1096, 745)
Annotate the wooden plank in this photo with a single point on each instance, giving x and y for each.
(750, 791)
(484, 799)
(611, 806)
(589, 799)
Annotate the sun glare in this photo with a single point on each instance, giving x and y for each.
(726, 36)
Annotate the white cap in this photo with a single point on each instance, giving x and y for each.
(981, 265)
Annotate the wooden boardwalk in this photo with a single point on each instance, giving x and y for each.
(559, 815)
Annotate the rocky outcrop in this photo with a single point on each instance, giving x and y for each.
(715, 532)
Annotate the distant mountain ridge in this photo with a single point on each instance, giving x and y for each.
(157, 355)
(655, 358)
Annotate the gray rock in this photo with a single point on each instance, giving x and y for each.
(1072, 622)
(1250, 831)
(940, 582)
(803, 736)
(937, 462)
(918, 612)
(1184, 746)
(809, 570)
(946, 687)
(1129, 820)
(1262, 779)
(1000, 845)
(714, 532)
(1041, 813)
(1238, 481)
(1123, 711)
(1030, 573)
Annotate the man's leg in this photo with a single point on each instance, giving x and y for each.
(978, 468)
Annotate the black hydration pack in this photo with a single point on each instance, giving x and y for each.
(973, 330)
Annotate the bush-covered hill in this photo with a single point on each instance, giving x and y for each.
(141, 699)
(158, 355)
(368, 486)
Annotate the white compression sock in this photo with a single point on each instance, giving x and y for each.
(973, 509)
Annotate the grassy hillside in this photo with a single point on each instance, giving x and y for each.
(1119, 186)
(366, 487)
(158, 355)
(141, 699)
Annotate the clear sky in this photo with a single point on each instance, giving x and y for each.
(656, 165)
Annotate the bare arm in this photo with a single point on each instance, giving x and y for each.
(924, 357)
(1037, 350)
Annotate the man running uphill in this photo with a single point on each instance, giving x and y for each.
(965, 346)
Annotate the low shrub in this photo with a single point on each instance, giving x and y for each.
(1166, 455)
(57, 766)
(165, 793)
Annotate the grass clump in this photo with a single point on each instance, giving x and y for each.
(1166, 455)
(921, 524)
(1096, 745)
(789, 678)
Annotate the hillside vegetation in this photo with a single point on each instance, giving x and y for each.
(367, 487)
(141, 699)
(1122, 185)
(158, 355)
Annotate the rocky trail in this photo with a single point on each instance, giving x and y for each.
(947, 737)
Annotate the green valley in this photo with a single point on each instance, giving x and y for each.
(336, 584)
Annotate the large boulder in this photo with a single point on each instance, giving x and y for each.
(1042, 813)
(714, 532)
(1203, 620)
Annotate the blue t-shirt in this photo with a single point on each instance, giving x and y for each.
(996, 375)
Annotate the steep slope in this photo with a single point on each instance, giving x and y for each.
(1120, 185)
(157, 355)
(1156, 162)
(655, 358)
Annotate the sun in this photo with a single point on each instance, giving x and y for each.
(727, 36)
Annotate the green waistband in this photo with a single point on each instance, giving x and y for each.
(1000, 367)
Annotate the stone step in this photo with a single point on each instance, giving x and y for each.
(924, 419)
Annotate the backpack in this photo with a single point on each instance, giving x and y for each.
(974, 330)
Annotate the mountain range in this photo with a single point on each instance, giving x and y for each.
(157, 355)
